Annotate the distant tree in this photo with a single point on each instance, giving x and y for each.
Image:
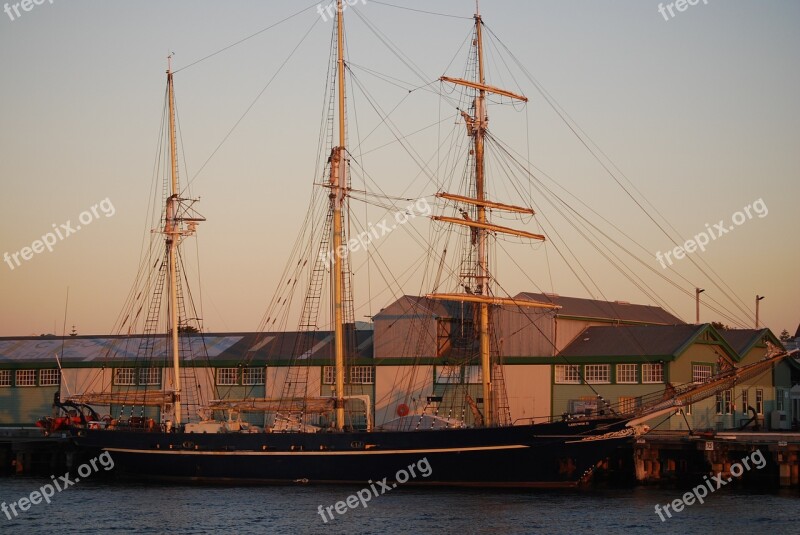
(785, 336)
(719, 326)
(188, 329)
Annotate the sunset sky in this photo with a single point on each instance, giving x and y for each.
(700, 113)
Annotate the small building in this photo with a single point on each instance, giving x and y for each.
(628, 366)
(787, 387)
(760, 394)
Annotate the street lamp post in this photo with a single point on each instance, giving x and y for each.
(758, 298)
(697, 292)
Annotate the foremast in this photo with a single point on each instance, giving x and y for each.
(179, 220)
(476, 129)
(173, 231)
(172, 236)
(338, 185)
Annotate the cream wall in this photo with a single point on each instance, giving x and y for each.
(528, 389)
(391, 385)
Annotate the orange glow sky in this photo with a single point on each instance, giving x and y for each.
(700, 112)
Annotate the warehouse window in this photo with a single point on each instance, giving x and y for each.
(124, 376)
(473, 375)
(597, 373)
(362, 375)
(701, 372)
(5, 377)
(227, 376)
(49, 378)
(253, 376)
(453, 335)
(759, 401)
(150, 376)
(724, 402)
(627, 373)
(329, 375)
(652, 373)
(780, 395)
(567, 374)
(26, 377)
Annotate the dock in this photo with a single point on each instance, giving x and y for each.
(670, 456)
(26, 451)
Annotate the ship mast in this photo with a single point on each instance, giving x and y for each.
(481, 117)
(172, 232)
(338, 184)
(180, 220)
(476, 128)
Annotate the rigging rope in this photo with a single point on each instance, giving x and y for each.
(586, 141)
(240, 41)
(253, 103)
(420, 10)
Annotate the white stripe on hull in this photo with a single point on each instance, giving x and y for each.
(323, 453)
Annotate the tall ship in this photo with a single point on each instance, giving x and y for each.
(173, 434)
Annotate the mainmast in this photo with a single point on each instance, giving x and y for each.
(481, 118)
(172, 231)
(476, 128)
(338, 183)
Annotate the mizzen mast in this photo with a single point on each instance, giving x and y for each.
(476, 129)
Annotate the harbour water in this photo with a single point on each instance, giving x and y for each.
(109, 507)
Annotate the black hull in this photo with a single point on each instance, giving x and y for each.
(558, 454)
